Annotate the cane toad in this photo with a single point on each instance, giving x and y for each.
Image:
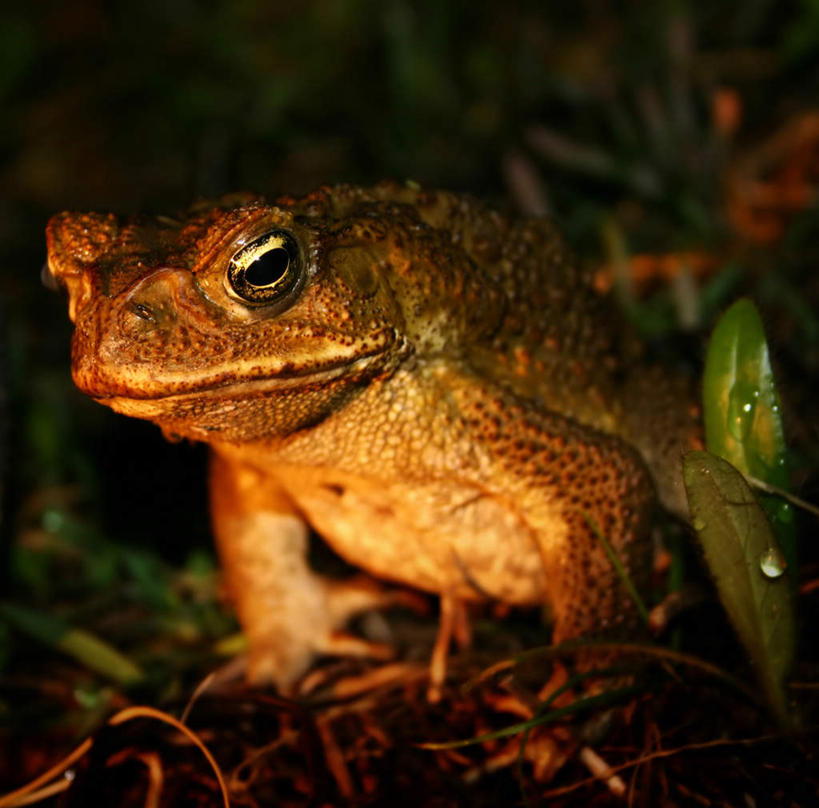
(433, 386)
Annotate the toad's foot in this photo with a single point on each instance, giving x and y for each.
(283, 645)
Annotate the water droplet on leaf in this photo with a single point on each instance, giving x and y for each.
(742, 402)
(772, 563)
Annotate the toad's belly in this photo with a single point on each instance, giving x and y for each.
(439, 536)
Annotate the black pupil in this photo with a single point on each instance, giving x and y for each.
(269, 268)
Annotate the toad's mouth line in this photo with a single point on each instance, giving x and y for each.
(220, 387)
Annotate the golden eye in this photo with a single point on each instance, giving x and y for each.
(267, 270)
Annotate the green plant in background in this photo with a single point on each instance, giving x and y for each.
(753, 565)
(94, 653)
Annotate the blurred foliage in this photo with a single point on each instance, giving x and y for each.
(677, 143)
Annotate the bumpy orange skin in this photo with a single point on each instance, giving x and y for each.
(446, 400)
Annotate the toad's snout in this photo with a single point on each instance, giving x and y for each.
(76, 242)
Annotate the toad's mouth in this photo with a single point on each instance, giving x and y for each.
(113, 373)
(232, 386)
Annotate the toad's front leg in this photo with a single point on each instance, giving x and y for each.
(289, 613)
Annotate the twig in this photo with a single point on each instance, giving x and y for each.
(780, 492)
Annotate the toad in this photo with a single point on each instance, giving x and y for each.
(434, 387)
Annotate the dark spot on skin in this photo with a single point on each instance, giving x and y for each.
(337, 490)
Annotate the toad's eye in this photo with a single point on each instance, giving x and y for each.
(267, 270)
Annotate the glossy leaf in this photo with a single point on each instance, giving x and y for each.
(742, 413)
(740, 550)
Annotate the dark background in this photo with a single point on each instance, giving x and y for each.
(644, 127)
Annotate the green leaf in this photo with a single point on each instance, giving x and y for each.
(742, 413)
(750, 576)
(85, 647)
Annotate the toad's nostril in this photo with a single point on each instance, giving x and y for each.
(143, 311)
